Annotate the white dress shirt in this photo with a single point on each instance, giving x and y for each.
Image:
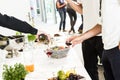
(90, 13)
(111, 23)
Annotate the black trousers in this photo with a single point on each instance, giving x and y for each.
(73, 17)
(111, 63)
(81, 26)
(92, 48)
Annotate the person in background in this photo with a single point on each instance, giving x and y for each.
(73, 17)
(60, 5)
(110, 29)
(92, 47)
(80, 30)
(18, 25)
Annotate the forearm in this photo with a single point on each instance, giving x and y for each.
(92, 32)
(16, 24)
(76, 6)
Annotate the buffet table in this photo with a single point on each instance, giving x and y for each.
(48, 67)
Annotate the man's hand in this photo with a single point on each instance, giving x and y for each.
(70, 39)
(74, 40)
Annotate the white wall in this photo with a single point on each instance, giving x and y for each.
(16, 8)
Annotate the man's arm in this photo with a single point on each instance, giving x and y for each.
(16, 24)
(90, 33)
(75, 5)
(19, 25)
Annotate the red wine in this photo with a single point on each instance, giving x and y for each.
(48, 53)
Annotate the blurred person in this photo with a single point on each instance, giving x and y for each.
(60, 5)
(73, 17)
(18, 25)
(80, 30)
(111, 39)
(92, 47)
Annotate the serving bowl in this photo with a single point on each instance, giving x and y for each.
(58, 52)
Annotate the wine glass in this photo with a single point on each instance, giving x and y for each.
(48, 53)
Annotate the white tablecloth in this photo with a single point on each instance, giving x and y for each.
(45, 67)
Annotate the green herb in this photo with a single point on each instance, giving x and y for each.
(15, 72)
(31, 37)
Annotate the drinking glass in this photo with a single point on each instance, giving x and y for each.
(29, 57)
